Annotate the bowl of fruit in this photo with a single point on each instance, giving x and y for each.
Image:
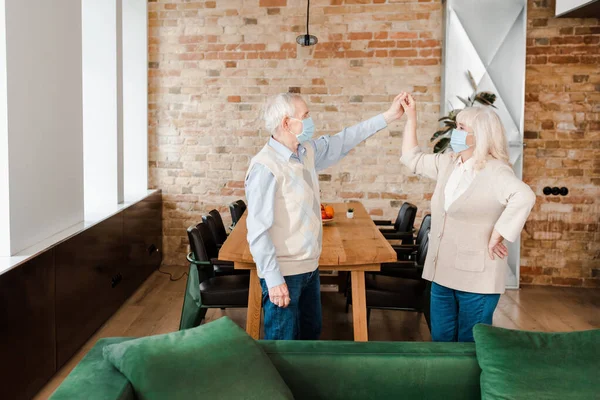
(327, 213)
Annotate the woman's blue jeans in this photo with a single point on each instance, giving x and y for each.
(455, 313)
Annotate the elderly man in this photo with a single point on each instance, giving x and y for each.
(284, 215)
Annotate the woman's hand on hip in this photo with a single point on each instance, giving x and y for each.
(496, 247)
(279, 295)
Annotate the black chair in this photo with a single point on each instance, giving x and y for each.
(215, 223)
(403, 227)
(408, 252)
(399, 285)
(205, 289)
(211, 248)
(242, 205)
(236, 209)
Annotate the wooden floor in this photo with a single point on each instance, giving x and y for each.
(156, 307)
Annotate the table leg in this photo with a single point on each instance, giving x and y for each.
(254, 306)
(359, 307)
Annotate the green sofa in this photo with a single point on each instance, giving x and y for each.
(322, 370)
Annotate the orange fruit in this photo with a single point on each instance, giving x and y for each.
(329, 211)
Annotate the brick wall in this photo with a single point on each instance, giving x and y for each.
(213, 63)
(561, 245)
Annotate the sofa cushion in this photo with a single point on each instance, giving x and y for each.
(537, 365)
(213, 361)
(95, 377)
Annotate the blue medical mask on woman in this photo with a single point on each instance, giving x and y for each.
(308, 129)
(458, 140)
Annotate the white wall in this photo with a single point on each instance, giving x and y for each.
(51, 66)
(102, 126)
(4, 194)
(44, 88)
(562, 6)
(135, 95)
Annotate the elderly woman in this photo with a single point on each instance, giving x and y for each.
(478, 202)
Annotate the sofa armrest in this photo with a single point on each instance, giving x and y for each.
(95, 378)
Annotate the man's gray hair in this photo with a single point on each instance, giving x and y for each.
(278, 107)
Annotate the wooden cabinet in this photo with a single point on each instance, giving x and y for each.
(52, 304)
(143, 241)
(27, 341)
(87, 291)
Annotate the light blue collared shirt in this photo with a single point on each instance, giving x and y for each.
(261, 187)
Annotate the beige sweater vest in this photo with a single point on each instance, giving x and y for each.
(297, 231)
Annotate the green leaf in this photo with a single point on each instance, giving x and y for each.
(486, 98)
(451, 124)
(472, 80)
(441, 145)
(464, 101)
(452, 115)
(440, 133)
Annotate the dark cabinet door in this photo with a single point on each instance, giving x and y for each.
(89, 269)
(27, 348)
(143, 237)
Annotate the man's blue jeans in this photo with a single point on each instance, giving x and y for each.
(455, 313)
(302, 318)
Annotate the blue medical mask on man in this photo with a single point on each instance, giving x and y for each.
(458, 140)
(308, 129)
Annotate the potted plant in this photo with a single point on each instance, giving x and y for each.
(350, 213)
(443, 135)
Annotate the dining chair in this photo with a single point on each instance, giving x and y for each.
(215, 223)
(399, 285)
(221, 267)
(242, 205)
(403, 228)
(237, 210)
(205, 289)
(408, 252)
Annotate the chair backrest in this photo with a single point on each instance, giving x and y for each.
(196, 244)
(196, 236)
(236, 212)
(210, 246)
(425, 226)
(406, 218)
(215, 224)
(422, 249)
(242, 205)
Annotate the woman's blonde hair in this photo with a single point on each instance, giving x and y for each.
(490, 138)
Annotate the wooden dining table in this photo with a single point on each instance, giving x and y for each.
(349, 244)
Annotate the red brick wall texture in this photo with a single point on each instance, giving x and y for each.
(213, 63)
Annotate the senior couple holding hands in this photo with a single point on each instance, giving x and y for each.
(477, 204)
